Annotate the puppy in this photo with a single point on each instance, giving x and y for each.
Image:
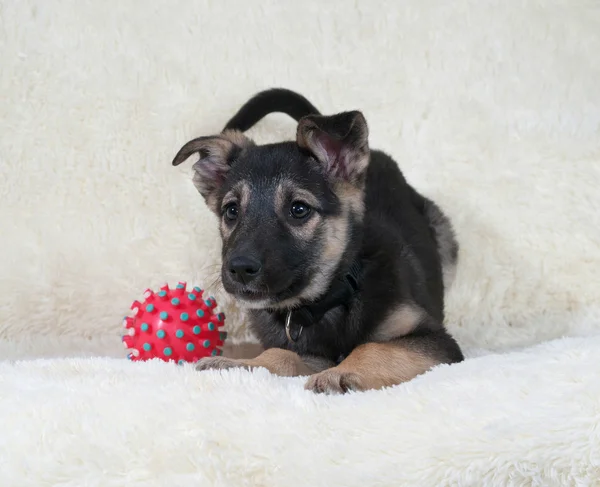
(340, 262)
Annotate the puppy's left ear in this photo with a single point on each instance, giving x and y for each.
(339, 142)
(217, 153)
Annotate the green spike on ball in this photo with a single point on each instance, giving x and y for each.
(207, 302)
(164, 315)
(162, 294)
(144, 327)
(214, 352)
(184, 317)
(167, 351)
(180, 286)
(197, 289)
(191, 296)
(196, 330)
(222, 335)
(211, 326)
(200, 313)
(190, 347)
(179, 333)
(206, 343)
(175, 301)
(160, 333)
(147, 347)
(150, 308)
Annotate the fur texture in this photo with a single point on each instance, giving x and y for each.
(498, 420)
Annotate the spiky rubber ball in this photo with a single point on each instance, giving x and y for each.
(177, 325)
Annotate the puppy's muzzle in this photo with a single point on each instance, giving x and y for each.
(244, 269)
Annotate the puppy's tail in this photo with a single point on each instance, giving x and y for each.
(270, 101)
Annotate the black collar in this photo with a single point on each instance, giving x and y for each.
(340, 293)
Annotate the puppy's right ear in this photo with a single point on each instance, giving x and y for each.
(216, 152)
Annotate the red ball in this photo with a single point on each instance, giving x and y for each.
(174, 324)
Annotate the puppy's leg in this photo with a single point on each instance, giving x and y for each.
(377, 365)
(276, 360)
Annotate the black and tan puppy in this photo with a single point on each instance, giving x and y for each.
(339, 260)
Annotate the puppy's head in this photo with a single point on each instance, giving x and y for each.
(289, 212)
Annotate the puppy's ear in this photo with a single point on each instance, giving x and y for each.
(339, 142)
(216, 152)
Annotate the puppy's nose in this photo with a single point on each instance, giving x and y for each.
(244, 269)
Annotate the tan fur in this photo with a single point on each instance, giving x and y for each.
(306, 196)
(211, 200)
(335, 240)
(236, 137)
(276, 360)
(372, 366)
(334, 243)
(281, 362)
(399, 322)
(285, 188)
(369, 366)
(240, 193)
(243, 187)
(242, 349)
(307, 231)
(225, 230)
(351, 195)
(280, 192)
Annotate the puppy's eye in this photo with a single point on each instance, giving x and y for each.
(299, 209)
(231, 211)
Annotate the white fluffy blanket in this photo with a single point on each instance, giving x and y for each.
(524, 418)
(492, 108)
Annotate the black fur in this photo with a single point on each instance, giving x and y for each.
(270, 101)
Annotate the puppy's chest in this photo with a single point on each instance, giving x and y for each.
(333, 336)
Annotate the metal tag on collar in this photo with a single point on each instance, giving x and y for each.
(288, 326)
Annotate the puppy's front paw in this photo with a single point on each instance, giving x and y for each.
(333, 381)
(219, 363)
